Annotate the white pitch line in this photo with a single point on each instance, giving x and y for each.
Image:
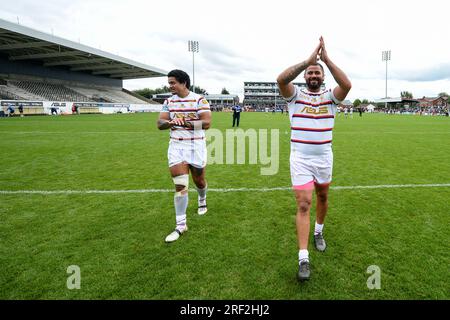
(76, 132)
(149, 132)
(50, 192)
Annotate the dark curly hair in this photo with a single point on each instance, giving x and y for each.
(181, 76)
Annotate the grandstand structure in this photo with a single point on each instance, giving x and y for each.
(36, 67)
(262, 95)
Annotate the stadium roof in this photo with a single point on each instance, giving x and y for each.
(22, 43)
(395, 100)
(388, 100)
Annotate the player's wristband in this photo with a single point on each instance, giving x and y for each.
(195, 124)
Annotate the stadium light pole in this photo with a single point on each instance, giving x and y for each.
(275, 90)
(386, 56)
(194, 48)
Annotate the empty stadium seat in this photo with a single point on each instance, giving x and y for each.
(46, 91)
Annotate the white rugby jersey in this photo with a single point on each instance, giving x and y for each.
(189, 107)
(312, 121)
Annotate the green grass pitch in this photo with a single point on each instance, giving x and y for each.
(245, 246)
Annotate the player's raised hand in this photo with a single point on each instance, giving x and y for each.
(323, 51)
(314, 57)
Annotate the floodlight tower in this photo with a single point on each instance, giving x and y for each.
(194, 48)
(386, 56)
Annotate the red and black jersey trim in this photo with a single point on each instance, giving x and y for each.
(174, 128)
(170, 101)
(311, 142)
(314, 94)
(193, 138)
(327, 116)
(183, 110)
(312, 129)
(314, 104)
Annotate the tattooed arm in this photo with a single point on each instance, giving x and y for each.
(163, 121)
(287, 76)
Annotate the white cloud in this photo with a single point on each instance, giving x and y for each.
(256, 40)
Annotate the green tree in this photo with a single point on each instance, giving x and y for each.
(406, 94)
(365, 101)
(199, 90)
(356, 103)
(225, 91)
(144, 92)
(148, 93)
(163, 89)
(445, 95)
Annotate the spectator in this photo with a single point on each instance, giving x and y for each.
(21, 110)
(237, 109)
(10, 110)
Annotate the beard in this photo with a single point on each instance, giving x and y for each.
(314, 84)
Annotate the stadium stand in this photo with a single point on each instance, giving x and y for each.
(105, 94)
(49, 91)
(44, 69)
(8, 94)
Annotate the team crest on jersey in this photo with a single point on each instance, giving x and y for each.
(204, 101)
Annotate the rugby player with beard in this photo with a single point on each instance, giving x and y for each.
(312, 112)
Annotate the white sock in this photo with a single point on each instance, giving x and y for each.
(181, 203)
(303, 255)
(318, 228)
(202, 196)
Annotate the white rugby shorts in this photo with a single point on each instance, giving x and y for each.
(305, 172)
(195, 156)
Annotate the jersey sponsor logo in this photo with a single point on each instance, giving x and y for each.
(190, 115)
(204, 101)
(310, 110)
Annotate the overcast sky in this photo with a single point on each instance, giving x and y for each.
(255, 40)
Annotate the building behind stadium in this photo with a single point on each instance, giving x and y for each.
(265, 96)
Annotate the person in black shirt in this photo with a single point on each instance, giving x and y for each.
(21, 109)
(237, 109)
